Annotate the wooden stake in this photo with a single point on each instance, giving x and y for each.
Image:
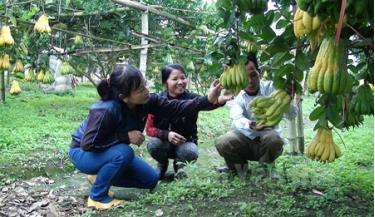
(143, 53)
(300, 129)
(2, 88)
(292, 136)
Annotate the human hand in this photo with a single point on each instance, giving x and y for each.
(225, 96)
(254, 126)
(175, 138)
(214, 91)
(136, 137)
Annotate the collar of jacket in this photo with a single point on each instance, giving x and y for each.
(182, 96)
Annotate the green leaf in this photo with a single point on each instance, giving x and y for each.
(322, 121)
(279, 82)
(13, 20)
(246, 36)
(267, 33)
(214, 67)
(302, 60)
(298, 74)
(284, 70)
(281, 24)
(269, 18)
(277, 45)
(281, 58)
(298, 88)
(317, 126)
(257, 21)
(316, 113)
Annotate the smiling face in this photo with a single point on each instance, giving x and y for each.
(254, 78)
(176, 83)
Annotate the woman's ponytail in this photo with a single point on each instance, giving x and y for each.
(104, 90)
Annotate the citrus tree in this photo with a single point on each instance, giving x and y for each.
(326, 44)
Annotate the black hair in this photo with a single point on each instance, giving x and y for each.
(166, 71)
(122, 80)
(251, 57)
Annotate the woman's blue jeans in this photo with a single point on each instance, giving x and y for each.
(117, 166)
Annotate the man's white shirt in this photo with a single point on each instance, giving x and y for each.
(241, 114)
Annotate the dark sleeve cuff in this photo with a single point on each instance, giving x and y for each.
(123, 137)
(164, 134)
(204, 103)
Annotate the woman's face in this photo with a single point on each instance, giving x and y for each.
(176, 83)
(138, 96)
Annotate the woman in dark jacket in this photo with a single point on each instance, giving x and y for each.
(101, 144)
(175, 138)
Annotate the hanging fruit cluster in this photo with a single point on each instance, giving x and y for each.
(250, 46)
(329, 73)
(363, 101)
(18, 69)
(42, 25)
(78, 40)
(357, 9)
(269, 110)
(5, 36)
(303, 23)
(66, 69)
(15, 88)
(351, 119)
(322, 147)
(4, 62)
(48, 77)
(234, 78)
(30, 75)
(252, 6)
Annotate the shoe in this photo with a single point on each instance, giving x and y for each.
(223, 169)
(241, 170)
(162, 168)
(179, 170)
(269, 171)
(92, 178)
(99, 205)
(181, 174)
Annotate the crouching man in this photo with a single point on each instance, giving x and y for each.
(246, 142)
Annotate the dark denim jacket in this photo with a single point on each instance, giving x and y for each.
(109, 122)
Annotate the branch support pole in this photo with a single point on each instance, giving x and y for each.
(143, 53)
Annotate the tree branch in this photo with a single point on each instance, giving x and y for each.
(361, 36)
(158, 40)
(139, 6)
(108, 50)
(83, 13)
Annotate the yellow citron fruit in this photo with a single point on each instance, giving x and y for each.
(15, 88)
(19, 66)
(42, 26)
(4, 62)
(40, 76)
(78, 40)
(5, 36)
